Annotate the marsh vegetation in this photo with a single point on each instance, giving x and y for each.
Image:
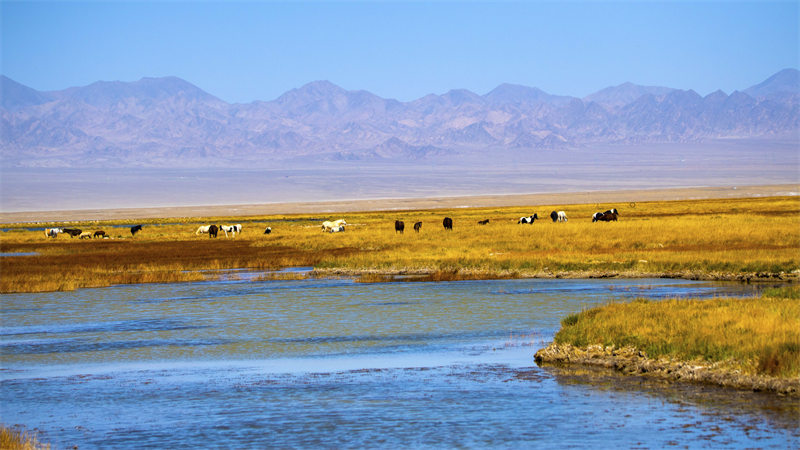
(755, 336)
(757, 238)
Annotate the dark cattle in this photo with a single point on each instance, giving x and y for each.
(268, 230)
(447, 223)
(417, 226)
(72, 232)
(135, 229)
(483, 222)
(100, 234)
(212, 231)
(399, 226)
(554, 216)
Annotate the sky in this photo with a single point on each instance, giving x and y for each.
(257, 50)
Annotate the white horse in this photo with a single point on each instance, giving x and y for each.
(53, 232)
(85, 235)
(230, 228)
(238, 228)
(202, 230)
(328, 226)
(562, 216)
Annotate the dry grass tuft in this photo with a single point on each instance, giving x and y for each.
(15, 439)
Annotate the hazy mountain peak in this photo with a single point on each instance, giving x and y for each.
(105, 93)
(459, 96)
(14, 95)
(516, 94)
(787, 81)
(625, 93)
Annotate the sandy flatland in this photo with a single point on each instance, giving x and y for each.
(599, 197)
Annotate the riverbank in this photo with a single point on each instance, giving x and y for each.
(381, 276)
(749, 343)
(631, 361)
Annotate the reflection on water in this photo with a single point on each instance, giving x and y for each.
(334, 363)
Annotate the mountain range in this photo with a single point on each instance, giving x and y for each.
(168, 122)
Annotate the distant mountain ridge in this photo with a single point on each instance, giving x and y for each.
(169, 122)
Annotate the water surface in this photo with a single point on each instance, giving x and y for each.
(334, 363)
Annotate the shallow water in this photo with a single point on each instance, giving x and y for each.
(334, 363)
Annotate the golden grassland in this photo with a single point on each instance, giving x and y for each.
(14, 439)
(757, 336)
(756, 238)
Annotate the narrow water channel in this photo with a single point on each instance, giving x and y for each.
(334, 363)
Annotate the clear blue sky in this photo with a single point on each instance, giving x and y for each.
(245, 51)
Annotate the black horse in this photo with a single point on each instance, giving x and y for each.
(447, 223)
(399, 226)
(72, 232)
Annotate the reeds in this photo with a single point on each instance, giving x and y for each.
(758, 335)
(16, 439)
(692, 239)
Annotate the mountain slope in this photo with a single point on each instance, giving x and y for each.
(168, 122)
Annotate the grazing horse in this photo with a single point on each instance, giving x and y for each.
(529, 220)
(100, 234)
(203, 229)
(399, 226)
(238, 228)
(85, 235)
(53, 232)
(72, 232)
(212, 231)
(559, 216)
(447, 223)
(607, 216)
(483, 222)
(229, 229)
(417, 226)
(327, 225)
(268, 230)
(135, 229)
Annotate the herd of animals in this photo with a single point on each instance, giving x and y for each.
(72, 232)
(335, 226)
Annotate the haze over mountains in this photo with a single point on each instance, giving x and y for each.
(168, 122)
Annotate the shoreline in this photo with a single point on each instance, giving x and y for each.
(631, 361)
(404, 204)
(424, 275)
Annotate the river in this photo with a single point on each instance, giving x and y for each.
(333, 363)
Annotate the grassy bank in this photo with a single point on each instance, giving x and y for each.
(755, 336)
(755, 238)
